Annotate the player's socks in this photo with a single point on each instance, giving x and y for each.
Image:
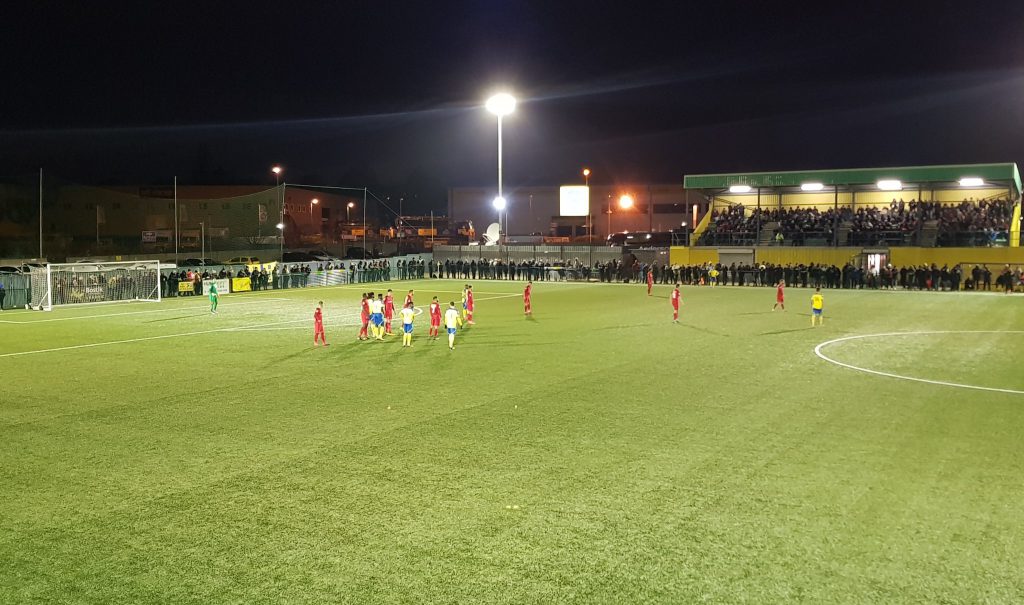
(451, 341)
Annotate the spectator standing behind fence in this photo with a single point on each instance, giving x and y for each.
(3, 295)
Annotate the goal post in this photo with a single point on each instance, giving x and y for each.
(94, 282)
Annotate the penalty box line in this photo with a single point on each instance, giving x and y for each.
(140, 339)
(187, 307)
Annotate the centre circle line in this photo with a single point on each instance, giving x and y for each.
(818, 349)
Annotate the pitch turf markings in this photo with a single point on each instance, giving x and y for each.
(131, 340)
(199, 304)
(818, 349)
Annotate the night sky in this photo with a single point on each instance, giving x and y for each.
(388, 94)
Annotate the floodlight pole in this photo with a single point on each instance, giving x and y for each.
(364, 223)
(499, 159)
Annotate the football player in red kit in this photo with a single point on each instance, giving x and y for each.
(408, 299)
(527, 293)
(364, 317)
(676, 299)
(650, 280)
(389, 310)
(435, 318)
(780, 297)
(469, 305)
(318, 325)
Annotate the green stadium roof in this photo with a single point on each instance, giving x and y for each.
(993, 174)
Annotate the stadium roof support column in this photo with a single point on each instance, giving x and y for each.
(757, 230)
(920, 219)
(835, 216)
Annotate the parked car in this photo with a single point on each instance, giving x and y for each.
(198, 262)
(324, 257)
(298, 257)
(242, 260)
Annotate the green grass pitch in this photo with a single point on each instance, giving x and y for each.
(596, 453)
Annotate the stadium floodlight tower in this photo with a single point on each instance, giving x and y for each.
(500, 204)
(500, 105)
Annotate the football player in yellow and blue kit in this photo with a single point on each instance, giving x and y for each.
(377, 316)
(452, 321)
(817, 307)
(408, 313)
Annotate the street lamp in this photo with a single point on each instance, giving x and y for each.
(348, 211)
(590, 216)
(312, 225)
(500, 105)
(276, 169)
(280, 227)
(625, 203)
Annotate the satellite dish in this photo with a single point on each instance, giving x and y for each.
(492, 234)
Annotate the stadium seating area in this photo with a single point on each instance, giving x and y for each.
(968, 223)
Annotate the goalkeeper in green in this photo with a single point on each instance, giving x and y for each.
(213, 298)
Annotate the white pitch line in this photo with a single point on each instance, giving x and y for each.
(129, 340)
(497, 297)
(196, 306)
(817, 351)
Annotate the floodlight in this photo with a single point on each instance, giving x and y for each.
(626, 201)
(890, 185)
(276, 170)
(971, 181)
(739, 189)
(812, 187)
(280, 226)
(499, 203)
(501, 104)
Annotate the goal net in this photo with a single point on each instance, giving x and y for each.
(90, 283)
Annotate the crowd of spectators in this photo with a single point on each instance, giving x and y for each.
(969, 222)
(540, 270)
(815, 275)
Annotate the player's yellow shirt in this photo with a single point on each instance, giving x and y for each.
(407, 315)
(451, 318)
(817, 301)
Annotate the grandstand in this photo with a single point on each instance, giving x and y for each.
(952, 211)
(926, 206)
